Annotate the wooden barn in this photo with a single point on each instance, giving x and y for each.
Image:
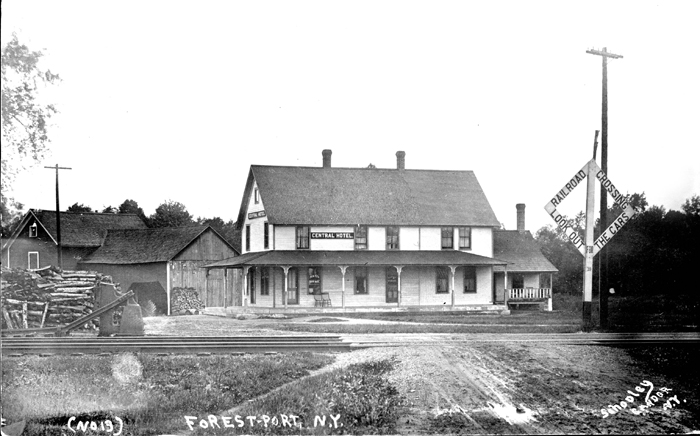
(153, 262)
(34, 243)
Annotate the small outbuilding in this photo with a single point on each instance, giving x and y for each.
(34, 242)
(153, 262)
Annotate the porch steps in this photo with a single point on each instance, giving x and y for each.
(486, 309)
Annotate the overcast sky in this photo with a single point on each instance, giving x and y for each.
(175, 100)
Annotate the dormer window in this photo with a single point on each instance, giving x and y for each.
(33, 231)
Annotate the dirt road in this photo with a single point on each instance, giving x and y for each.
(528, 388)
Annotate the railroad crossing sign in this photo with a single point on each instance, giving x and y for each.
(589, 248)
(628, 211)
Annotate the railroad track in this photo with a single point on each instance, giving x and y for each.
(266, 344)
(170, 344)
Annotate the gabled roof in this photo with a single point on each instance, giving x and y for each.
(351, 196)
(79, 229)
(350, 258)
(147, 245)
(521, 251)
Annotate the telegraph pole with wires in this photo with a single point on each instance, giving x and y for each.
(59, 251)
(603, 260)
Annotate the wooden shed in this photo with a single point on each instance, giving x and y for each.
(172, 258)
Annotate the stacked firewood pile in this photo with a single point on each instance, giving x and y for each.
(48, 297)
(185, 300)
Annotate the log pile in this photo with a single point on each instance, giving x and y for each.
(184, 300)
(48, 297)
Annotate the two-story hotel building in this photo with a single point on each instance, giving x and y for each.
(365, 237)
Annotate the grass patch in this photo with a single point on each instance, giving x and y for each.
(151, 394)
(357, 400)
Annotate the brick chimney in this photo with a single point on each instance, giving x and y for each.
(400, 160)
(327, 158)
(521, 216)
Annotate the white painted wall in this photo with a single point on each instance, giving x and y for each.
(430, 238)
(285, 238)
(376, 238)
(482, 241)
(409, 238)
(256, 225)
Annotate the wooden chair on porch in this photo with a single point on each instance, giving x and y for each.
(322, 300)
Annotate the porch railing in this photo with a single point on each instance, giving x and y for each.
(529, 293)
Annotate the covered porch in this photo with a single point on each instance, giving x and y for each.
(344, 281)
(523, 288)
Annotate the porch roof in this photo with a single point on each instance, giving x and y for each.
(350, 258)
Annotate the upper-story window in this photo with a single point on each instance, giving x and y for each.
(33, 231)
(247, 238)
(302, 237)
(392, 238)
(266, 235)
(361, 238)
(257, 196)
(465, 237)
(447, 237)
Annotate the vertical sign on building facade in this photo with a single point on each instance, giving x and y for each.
(588, 247)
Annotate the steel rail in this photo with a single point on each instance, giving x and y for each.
(258, 344)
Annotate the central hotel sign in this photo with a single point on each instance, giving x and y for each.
(332, 235)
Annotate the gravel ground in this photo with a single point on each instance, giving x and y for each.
(512, 387)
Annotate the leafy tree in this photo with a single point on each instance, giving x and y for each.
(110, 209)
(170, 214)
(24, 117)
(131, 206)
(692, 205)
(564, 255)
(11, 215)
(81, 208)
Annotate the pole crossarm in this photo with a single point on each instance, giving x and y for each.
(604, 53)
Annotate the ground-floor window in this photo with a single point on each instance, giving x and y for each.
(293, 286)
(361, 285)
(314, 280)
(469, 279)
(251, 284)
(33, 260)
(392, 285)
(442, 280)
(265, 281)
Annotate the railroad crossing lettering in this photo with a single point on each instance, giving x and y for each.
(566, 225)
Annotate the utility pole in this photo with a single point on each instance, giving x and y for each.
(59, 251)
(603, 275)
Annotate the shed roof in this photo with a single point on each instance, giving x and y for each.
(350, 196)
(146, 245)
(80, 229)
(363, 257)
(521, 251)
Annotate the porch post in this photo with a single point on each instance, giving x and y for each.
(168, 280)
(505, 285)
(286, 283)
(452, 285)
(244, 297)
(342, 271)
(551, 293)
(206, 286)
(398, 270)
